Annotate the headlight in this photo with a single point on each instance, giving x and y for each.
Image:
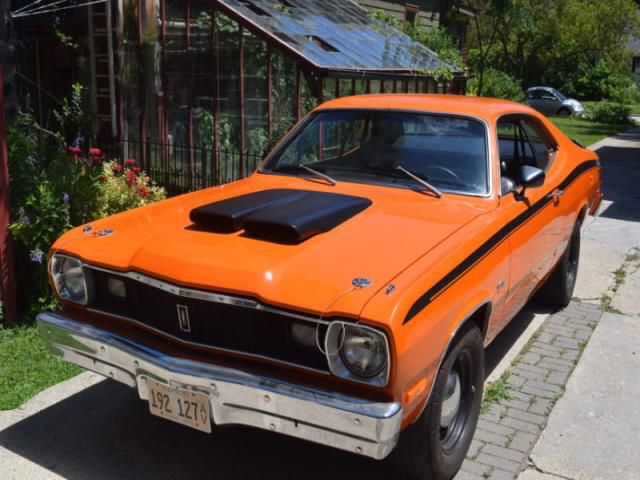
(358, 352)
(69, 279)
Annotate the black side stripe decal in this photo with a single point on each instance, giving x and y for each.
(493, 242)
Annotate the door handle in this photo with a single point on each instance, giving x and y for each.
(556, 194)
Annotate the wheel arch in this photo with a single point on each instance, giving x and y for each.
(479, 317)
(582, 214)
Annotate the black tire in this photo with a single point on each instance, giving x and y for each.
(426, 449)
(564, 112)
(558, 288)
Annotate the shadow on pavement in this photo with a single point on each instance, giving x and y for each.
(621, 177)
(105, 432)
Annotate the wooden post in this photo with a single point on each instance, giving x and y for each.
(269, 91)
(298, 94)
(217, 168)
(7, 276)
(243, 133)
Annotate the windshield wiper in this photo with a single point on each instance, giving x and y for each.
(421, 181)
(300, 166)
(317, 173)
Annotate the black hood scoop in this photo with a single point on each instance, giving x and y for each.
(279, 215)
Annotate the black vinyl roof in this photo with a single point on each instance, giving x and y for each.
(334, 35)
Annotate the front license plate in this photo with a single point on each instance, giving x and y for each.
(182, 406)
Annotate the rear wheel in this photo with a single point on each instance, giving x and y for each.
(558, 289)
(435, 445)
(564, 112)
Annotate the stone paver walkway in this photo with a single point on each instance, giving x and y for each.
(509, 429)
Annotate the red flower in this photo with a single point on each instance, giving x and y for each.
(117, 168)
(75, 151)
(130, 178)
(129, 161)
(143, 191)
(102, 178)
(136, 169)
(95, 152)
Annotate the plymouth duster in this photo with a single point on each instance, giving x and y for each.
(345, 291)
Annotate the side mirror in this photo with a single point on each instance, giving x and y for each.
(529, 177)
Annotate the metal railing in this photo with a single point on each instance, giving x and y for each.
(183, 168)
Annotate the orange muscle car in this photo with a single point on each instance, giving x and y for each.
(345, 291)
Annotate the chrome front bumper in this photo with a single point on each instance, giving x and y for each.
(236, 397)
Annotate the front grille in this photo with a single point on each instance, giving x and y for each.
(216, 325)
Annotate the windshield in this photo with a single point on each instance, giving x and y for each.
(559, 95)
(368, 146)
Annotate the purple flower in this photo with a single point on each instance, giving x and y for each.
(37, 255)
(65, 198)
(24, 220)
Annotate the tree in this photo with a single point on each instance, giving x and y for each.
(565, 43)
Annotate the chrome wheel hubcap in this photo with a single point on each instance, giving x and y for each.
(451, 400)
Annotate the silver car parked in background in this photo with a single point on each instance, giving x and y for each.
(551, 102)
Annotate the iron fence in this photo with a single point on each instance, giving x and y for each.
(184, 168)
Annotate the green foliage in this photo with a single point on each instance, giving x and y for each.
(497, 84)
(123, 188)
(65, 39)
(577, 46)
(436, 39)
(50, 191)
(585, 131)
(494, 392)
(73, 121)
(603, 81)
(607, 112)
(54, 188)
(27, 367)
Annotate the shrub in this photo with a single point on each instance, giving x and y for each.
(55, 187)
(602, 81)
(497, 84)
(607, 112)
(51, 190)
(124, 187)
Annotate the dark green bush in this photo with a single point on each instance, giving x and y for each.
(607, 112)
(496, 84)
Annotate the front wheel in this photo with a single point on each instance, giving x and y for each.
(564, 112)
(435, 445)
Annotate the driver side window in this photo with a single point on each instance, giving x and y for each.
(515, 151)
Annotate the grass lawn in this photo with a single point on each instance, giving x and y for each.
(586, 132)
(27, 367)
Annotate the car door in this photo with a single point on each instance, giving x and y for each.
(548, 102)
(533, 224)
(534, 98)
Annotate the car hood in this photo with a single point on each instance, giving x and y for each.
(159, 240)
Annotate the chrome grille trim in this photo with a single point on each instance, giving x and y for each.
(206, 296)
(205, 346)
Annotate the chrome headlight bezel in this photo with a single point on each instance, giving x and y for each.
(334, 342)
(82, 291)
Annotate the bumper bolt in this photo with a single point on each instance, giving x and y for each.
(102, 349)
(356, 421)
(358, 449)
(267, 399)
(272, 427)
